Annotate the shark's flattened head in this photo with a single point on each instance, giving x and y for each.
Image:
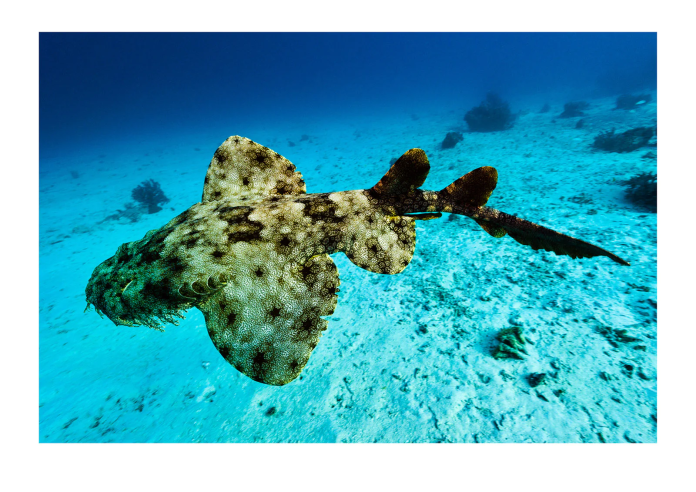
(137, 286)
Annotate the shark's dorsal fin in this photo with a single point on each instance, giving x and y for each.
(242, 168)
(474, 188)
(406, 174)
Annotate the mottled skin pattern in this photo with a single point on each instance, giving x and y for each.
(253, 256)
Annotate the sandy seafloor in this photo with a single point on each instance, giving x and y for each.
(406, 358)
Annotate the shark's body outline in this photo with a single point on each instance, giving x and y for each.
(253, 255)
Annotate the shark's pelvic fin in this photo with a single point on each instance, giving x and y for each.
(267, 326)
(383, 244)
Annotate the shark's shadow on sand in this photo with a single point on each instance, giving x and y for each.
(253, 255)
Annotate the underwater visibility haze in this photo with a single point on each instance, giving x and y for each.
(510, 327)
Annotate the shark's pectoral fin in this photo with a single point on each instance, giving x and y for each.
(381, 244)
(268, 325)
(242, 168)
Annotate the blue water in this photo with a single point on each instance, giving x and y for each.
(110, 86)
(406, 358)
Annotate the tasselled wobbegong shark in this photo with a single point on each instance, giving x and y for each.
(253, 255)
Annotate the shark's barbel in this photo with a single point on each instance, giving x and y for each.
(253, 255)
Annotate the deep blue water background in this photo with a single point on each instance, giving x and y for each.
(98, 87)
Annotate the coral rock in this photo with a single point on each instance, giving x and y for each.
(451, 140)
(492, 115)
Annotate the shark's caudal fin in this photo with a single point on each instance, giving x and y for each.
(539, 237)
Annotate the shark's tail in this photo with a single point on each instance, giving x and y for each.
(468, 196)
(498, 224)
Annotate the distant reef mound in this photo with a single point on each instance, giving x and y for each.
(452, 139)
(574, 109)
(491, 116)
(627, 141)
(642, 191)
(149, 194)
(629, 101)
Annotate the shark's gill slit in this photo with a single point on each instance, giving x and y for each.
(198, 288)
(214, 285)
(187, 295)
(126, 287)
